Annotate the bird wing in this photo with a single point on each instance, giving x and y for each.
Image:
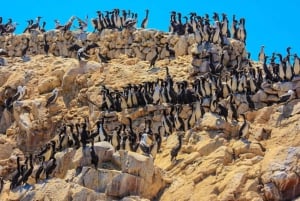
(93, 45)
(74, 47)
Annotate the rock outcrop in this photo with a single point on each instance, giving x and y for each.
(214, 163)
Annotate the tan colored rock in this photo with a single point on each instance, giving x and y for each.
(71, 158)
(181, 46)
(241, 147)
(260, 96)
(209, 146)
(124, 185)
(212, 121)
(137, 164)
(96, 180)
(5, 121)
(48, 84)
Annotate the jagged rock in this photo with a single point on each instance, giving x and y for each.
(209, 146)
(222, 155)
(243, 147)
(271, 192)
(280, 176)
(227, 189)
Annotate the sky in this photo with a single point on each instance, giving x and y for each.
(270, 23)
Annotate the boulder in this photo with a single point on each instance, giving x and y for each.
(243, 147)
(212, 121)
(137, 164)
(181, 46)
(95, 179)
(281, 175)
(71, 158)
(123, 185)
(208, 146)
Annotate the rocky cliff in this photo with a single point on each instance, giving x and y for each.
(214, 162)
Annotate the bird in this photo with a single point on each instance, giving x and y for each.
(46, 45)
(261, 54)
(171, 51)
(285, 98)
(50, 166)
(24, 50)
(115, 138)
(244, 129)
(145, 144)
(84, 134)
(74, 136)
(15, 175)
(40, 169)
(21, 92)
(145, 20)
(155, 57)
(3, 52)
(1, 184)
(82, 51)
(48, 151)
(53, 97)
(63, 138)
(28, 172)
(223, 111)
(94, 156)
(296, 65)
(176, 149)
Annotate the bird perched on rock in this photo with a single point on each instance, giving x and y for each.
(290, 95)
(176, 149)
(53, 97)
(145, 20)
(1, 184)
(82, 51)
(244, 130)
(94, 156)
(155, 57)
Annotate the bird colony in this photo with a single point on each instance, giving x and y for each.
(112, 134)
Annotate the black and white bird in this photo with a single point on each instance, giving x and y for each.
(40, 169)
(50, 166)
(21, 92)
(1, 184)
(290, 95)
(145, 144)
(244, 130)
(46, 45)
(28, 172)
(145, 20)
(15, 175)
(155, 57)
(176, 149)
(82, 52)
(53, 97)
(94, 156)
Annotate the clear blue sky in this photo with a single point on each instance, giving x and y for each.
(268, 22)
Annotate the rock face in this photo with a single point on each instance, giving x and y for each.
(138, 177)
(213, 163)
